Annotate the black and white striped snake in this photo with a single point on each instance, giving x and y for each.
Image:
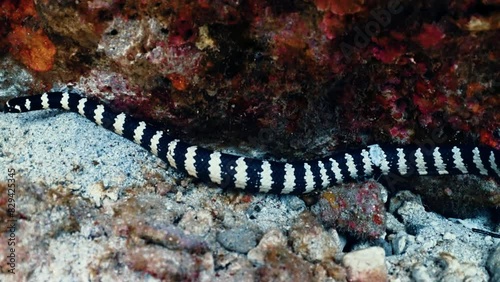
(252, 175)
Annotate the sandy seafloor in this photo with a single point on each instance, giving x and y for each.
(87, 195)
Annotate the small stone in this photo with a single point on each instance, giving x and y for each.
(178, 197)
(449, 236)
(273, 238)
(393, 225)
(339, 239)
(295, 203)
(429, 243)
(410, 210)
(420, 273)
(237, 269)
(198, 222)
(95, 193)
(69, 177)
(164, 264)
(366, 216)
(240, 240)
(454, 270)
(172, 237)
(400, 243)
(74, 187)
(400, 198)
(493, 263)
(275, 261)
(366, 265)
(311, 241)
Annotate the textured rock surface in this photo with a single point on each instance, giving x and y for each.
(296, 78)
(456, 253)
(356, 208)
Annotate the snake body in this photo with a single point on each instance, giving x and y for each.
(253, 175)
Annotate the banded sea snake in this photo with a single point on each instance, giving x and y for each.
(253, 175)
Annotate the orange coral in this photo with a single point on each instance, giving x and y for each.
(33, 48)
(17, 12)
(487, 138)
(179, 82)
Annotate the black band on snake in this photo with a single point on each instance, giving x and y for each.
(253, 175)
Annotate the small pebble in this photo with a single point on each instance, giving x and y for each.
(420, 273)
(366, 265)
(449, 236)
(393, 225)
(455, 270)
(400, 198)
(311, 241)
(295, 203)
(197, 222)
(240, 240)
(493, 264)
(273, 238)
(400, 243)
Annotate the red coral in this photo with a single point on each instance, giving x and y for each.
(290, 36)
(387, 51)
(331, 25)
(424, 97)
(183, 30)
(430, 36)
(340, 7)
(401, 133)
